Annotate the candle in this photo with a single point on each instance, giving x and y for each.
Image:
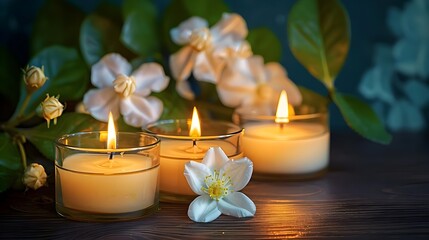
(184, 140)
(294, 146)
(117, 182)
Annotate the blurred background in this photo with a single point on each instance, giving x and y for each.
(387, 65)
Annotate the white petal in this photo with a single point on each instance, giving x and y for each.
(405, 116)
(230, 24)
(182, 62)
(237, 204)
(181, 34)
(150, 77)
(240, 171)
(207, 67)
(417, 91)
(257, 69)
(406, 53)
(138, 111)
(414, 20)
(237, 84)
(184, 90)
(215, 158)
(105, 71)
(195, 174)
(278, 80)
(377, 83)
(99, 102)
(203, 209)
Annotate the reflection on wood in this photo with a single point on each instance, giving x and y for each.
(370, 191)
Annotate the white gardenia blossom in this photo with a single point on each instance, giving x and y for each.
(217, 180)
(247, 82)
(124, 92)
(204, 49)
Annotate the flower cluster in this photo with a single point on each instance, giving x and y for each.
(219, 55)
(397, 82)
(222, 56)
(51, 108)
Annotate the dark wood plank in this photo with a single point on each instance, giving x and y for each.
(370, 191)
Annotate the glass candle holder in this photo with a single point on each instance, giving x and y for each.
(93, 183)
(296, 150)
(178, 148)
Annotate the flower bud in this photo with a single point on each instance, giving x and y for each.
(52, 109)
(34, 78)
(34, 176)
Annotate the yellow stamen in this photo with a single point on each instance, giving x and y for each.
(217, 186)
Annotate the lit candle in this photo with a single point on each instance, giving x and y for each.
(184, 140)
(289, 145)
(116, 182)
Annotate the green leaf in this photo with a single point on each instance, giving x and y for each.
(174, 14)
(265, 43)
(211, 10)
(98, 36)
(144, 6)
(319, 37)
(44, 138)
(175, 107)
(139, 33)
(57, 23)
(10, 162)
(361, 118)
(67, 76)
(311, 98)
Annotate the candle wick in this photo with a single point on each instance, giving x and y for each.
(281, 125)
(194, 143)
(111, 156)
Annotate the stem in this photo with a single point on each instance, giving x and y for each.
(16, 121)
(23, 155)
(24, 105)
(18, 118)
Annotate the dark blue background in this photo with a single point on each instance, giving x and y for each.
(368, 27)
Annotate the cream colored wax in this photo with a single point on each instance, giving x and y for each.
(297, 148)
(93, 183)
(174, 156)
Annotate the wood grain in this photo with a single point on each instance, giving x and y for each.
(371, 191)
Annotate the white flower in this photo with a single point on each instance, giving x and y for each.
(248, 82)
(123, 92)
(204, 50)
(34, 176)
(217, 180)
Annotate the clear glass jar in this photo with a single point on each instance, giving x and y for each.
(295, 150)
(178, 148)
(93, 183)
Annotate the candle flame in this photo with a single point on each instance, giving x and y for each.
(282, 114)
(195, 130)
(111, 133)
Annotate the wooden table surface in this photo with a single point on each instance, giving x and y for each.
(370, 191)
